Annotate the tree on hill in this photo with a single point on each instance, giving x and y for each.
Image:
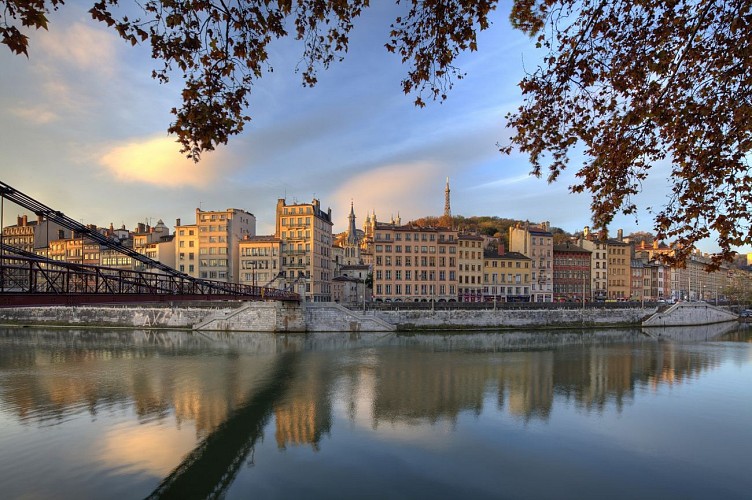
(629, 84)
(639, 237)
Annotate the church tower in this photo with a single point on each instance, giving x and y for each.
(352, 244)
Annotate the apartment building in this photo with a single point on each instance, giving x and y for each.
(506, 276)
(470, 270)
(619, 268)
(155, 242)
(537, 243)
(261, 261)
(186, 248)
(571, 273)
(694, 282)
(32, 236)
(598, 264)
(305, 232)
(650, 279)
(413, 263)
(219, 233)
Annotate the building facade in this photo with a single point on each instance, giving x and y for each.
(571, 274)
(413, 263)
(219, 233)
(598, 265)
(470, 270)
(506, 276)
(537, 243)
(619, 268)
(306, 235)
(186, 248)
(33, 236)
(261, 261)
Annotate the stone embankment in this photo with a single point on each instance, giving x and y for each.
(689, 314)
(329, 317)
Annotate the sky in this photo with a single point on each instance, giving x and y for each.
(83, 130)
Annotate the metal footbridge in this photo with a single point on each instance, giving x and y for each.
(29, 279)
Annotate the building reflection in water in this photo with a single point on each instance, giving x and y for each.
(208, 380)
(305, 413)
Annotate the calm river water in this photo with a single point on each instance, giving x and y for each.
(604, 414)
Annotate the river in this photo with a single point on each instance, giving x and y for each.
(171, 414)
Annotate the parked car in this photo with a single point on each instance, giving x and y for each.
(746, 313)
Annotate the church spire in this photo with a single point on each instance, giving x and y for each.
(352, 233)
(447, 206)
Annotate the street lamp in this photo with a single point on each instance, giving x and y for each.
(364, 291)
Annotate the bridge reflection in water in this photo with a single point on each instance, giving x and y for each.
(380, 380)
(211, 467)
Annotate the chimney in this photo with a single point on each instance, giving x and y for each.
(140, 228)
(177, 222)
(642, 245)
(655, 244)
(620, 234)
(60, 234)
(501, 249)
(40, 219)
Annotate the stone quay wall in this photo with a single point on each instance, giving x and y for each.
(454, 319)
(329, 317)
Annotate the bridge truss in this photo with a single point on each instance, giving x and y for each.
(30, 279)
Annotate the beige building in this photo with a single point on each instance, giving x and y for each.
(693, 282)
(208, 249)
(186, 248)
(219, 233)
(261, 261)
(112, 258)
(619, 268)
(470, 270)
(306, 235)
(506, 276)
(33, 236)
(76, 250)
(155, 242)
(536, 242)
(350, 287)
(598, 265)
(416, 264)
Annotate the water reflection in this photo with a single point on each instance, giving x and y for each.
(230, 387)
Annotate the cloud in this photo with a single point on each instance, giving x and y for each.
(39, 115)
(411, 189)
(157, 161)
(508, 181)
(145, 449)
(84, 47)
